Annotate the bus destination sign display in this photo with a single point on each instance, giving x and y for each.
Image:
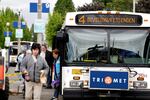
(109, 19)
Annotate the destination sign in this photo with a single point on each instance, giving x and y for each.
(108, 19)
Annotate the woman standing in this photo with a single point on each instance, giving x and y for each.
(56, 71)
(33, 66)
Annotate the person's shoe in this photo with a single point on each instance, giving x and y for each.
(49, 87)
(53, 98)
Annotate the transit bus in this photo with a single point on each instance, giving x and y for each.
(105, 54)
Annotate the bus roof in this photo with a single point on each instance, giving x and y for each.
(107, 19)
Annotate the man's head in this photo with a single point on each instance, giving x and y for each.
(43, 47)
(36, 49)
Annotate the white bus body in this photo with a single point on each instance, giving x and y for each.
(105, 54)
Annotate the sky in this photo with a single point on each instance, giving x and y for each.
(23, 6)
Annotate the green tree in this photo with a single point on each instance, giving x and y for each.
(94, 6)
(27, 35)
(120, 5)
(7, 15)
(117, 5)
(143, 6)
(64, 6)
(1, 36)
(54, 24)
(104, 1)
(34, 35)
(56, 20)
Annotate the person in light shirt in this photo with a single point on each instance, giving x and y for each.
(33, 66)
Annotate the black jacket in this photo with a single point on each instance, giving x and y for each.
(49, 58)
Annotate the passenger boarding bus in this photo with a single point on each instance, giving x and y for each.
(105, 54)
(14, 50)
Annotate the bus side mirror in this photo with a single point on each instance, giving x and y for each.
(66, 37)
(61, 34)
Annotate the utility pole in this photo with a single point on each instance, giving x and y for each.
(39, 16)
(19, 27)
(7, 45)
(133, 5)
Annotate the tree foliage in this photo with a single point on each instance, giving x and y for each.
(117, 5)
(56, 20)
(143, 6)
(104, 1)
(34, 35)
(64, 6)
(92, 7)
(54, 24)
(120, 5)
(1, 36)
(7, 15)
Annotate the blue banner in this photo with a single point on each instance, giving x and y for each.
(7, 34)
(108, 80)
(34, 7)
(15, 24)
(45, 7)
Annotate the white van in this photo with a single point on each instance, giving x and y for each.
(14, 50)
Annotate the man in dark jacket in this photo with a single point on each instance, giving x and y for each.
(47, 55)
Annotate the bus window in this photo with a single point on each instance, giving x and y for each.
(148, 54)
(91, 44)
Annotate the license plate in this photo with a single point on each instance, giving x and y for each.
(111, 80)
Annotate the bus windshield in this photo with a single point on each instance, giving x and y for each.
(108, 45)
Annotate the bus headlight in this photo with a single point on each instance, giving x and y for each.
(140, 84)
(76, 83)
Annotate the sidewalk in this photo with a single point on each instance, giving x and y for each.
(46, 95)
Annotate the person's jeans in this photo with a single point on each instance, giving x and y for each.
(56, 92)
(33, 88)
(49, 79)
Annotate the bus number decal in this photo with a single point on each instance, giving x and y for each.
(82, 20)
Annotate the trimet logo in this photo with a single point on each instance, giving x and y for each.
(108, 80)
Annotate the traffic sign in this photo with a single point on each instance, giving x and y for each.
(7, 41)
(34, 7)
(7, 34)
(45, 7)
(23, 24)
(19, 33)
(39, 26)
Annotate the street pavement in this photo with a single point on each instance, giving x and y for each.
(46, 95)
(17, 83)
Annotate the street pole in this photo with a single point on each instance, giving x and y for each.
(133, 5)
(19, 26)
(39, 16)
(7, 53)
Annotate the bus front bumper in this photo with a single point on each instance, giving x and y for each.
(87, 93)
